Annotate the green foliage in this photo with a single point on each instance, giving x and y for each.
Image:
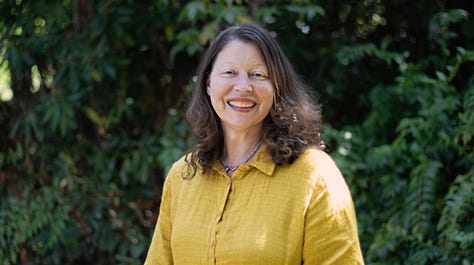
(421, 180)
(76, 162)
(40, 221)
(92, 95)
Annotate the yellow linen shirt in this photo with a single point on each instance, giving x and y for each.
(300, 213)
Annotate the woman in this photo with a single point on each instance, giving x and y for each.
(255, 188)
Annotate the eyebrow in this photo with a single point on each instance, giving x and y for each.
(254, 65)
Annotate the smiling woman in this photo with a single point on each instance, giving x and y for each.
(239, 88)
(256, 187)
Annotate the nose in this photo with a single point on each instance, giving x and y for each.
(243, 83)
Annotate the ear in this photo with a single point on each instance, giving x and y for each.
(208, 87)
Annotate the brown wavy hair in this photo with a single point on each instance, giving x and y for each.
(293, 123)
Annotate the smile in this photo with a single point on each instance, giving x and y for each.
(241, 104)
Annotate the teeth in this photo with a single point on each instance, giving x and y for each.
(241, 104)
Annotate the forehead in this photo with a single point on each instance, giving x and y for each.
(240, 52)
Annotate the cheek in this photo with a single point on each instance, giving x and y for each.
(215, 98)
(213, 93)
(217, 88)
(267, 94)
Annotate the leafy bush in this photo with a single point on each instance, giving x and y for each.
(415, 192)
(82, 132)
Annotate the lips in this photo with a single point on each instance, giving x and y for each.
(241, 103)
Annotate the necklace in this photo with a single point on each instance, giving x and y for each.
(230, 169)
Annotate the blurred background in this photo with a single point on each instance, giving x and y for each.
(92, 95)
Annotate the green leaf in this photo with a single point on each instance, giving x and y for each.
(94, 116)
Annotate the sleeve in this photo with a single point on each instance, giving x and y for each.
(330, 233)
(159, 252)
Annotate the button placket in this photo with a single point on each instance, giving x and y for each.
(226, 189)
(220, 211)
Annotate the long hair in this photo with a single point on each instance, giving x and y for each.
(293, 123)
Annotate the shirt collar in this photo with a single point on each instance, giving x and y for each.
(262, 161)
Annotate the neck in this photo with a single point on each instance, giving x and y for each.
(238, 149)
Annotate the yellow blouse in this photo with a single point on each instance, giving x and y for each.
(266, 214)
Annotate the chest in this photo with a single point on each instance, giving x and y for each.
(253, 220)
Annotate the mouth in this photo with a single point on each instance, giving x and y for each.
(241, 104)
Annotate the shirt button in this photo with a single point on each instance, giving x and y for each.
(218, 213)
(229, 182)
(213, 242)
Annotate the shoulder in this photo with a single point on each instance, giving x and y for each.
(314, 166)
(317, 162)
(179, 165)
(330, 180)
(177, 172)
(324, 175)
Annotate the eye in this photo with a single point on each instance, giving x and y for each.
(259, 75)
(228, 73)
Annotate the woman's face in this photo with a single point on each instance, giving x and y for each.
(239, 86)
